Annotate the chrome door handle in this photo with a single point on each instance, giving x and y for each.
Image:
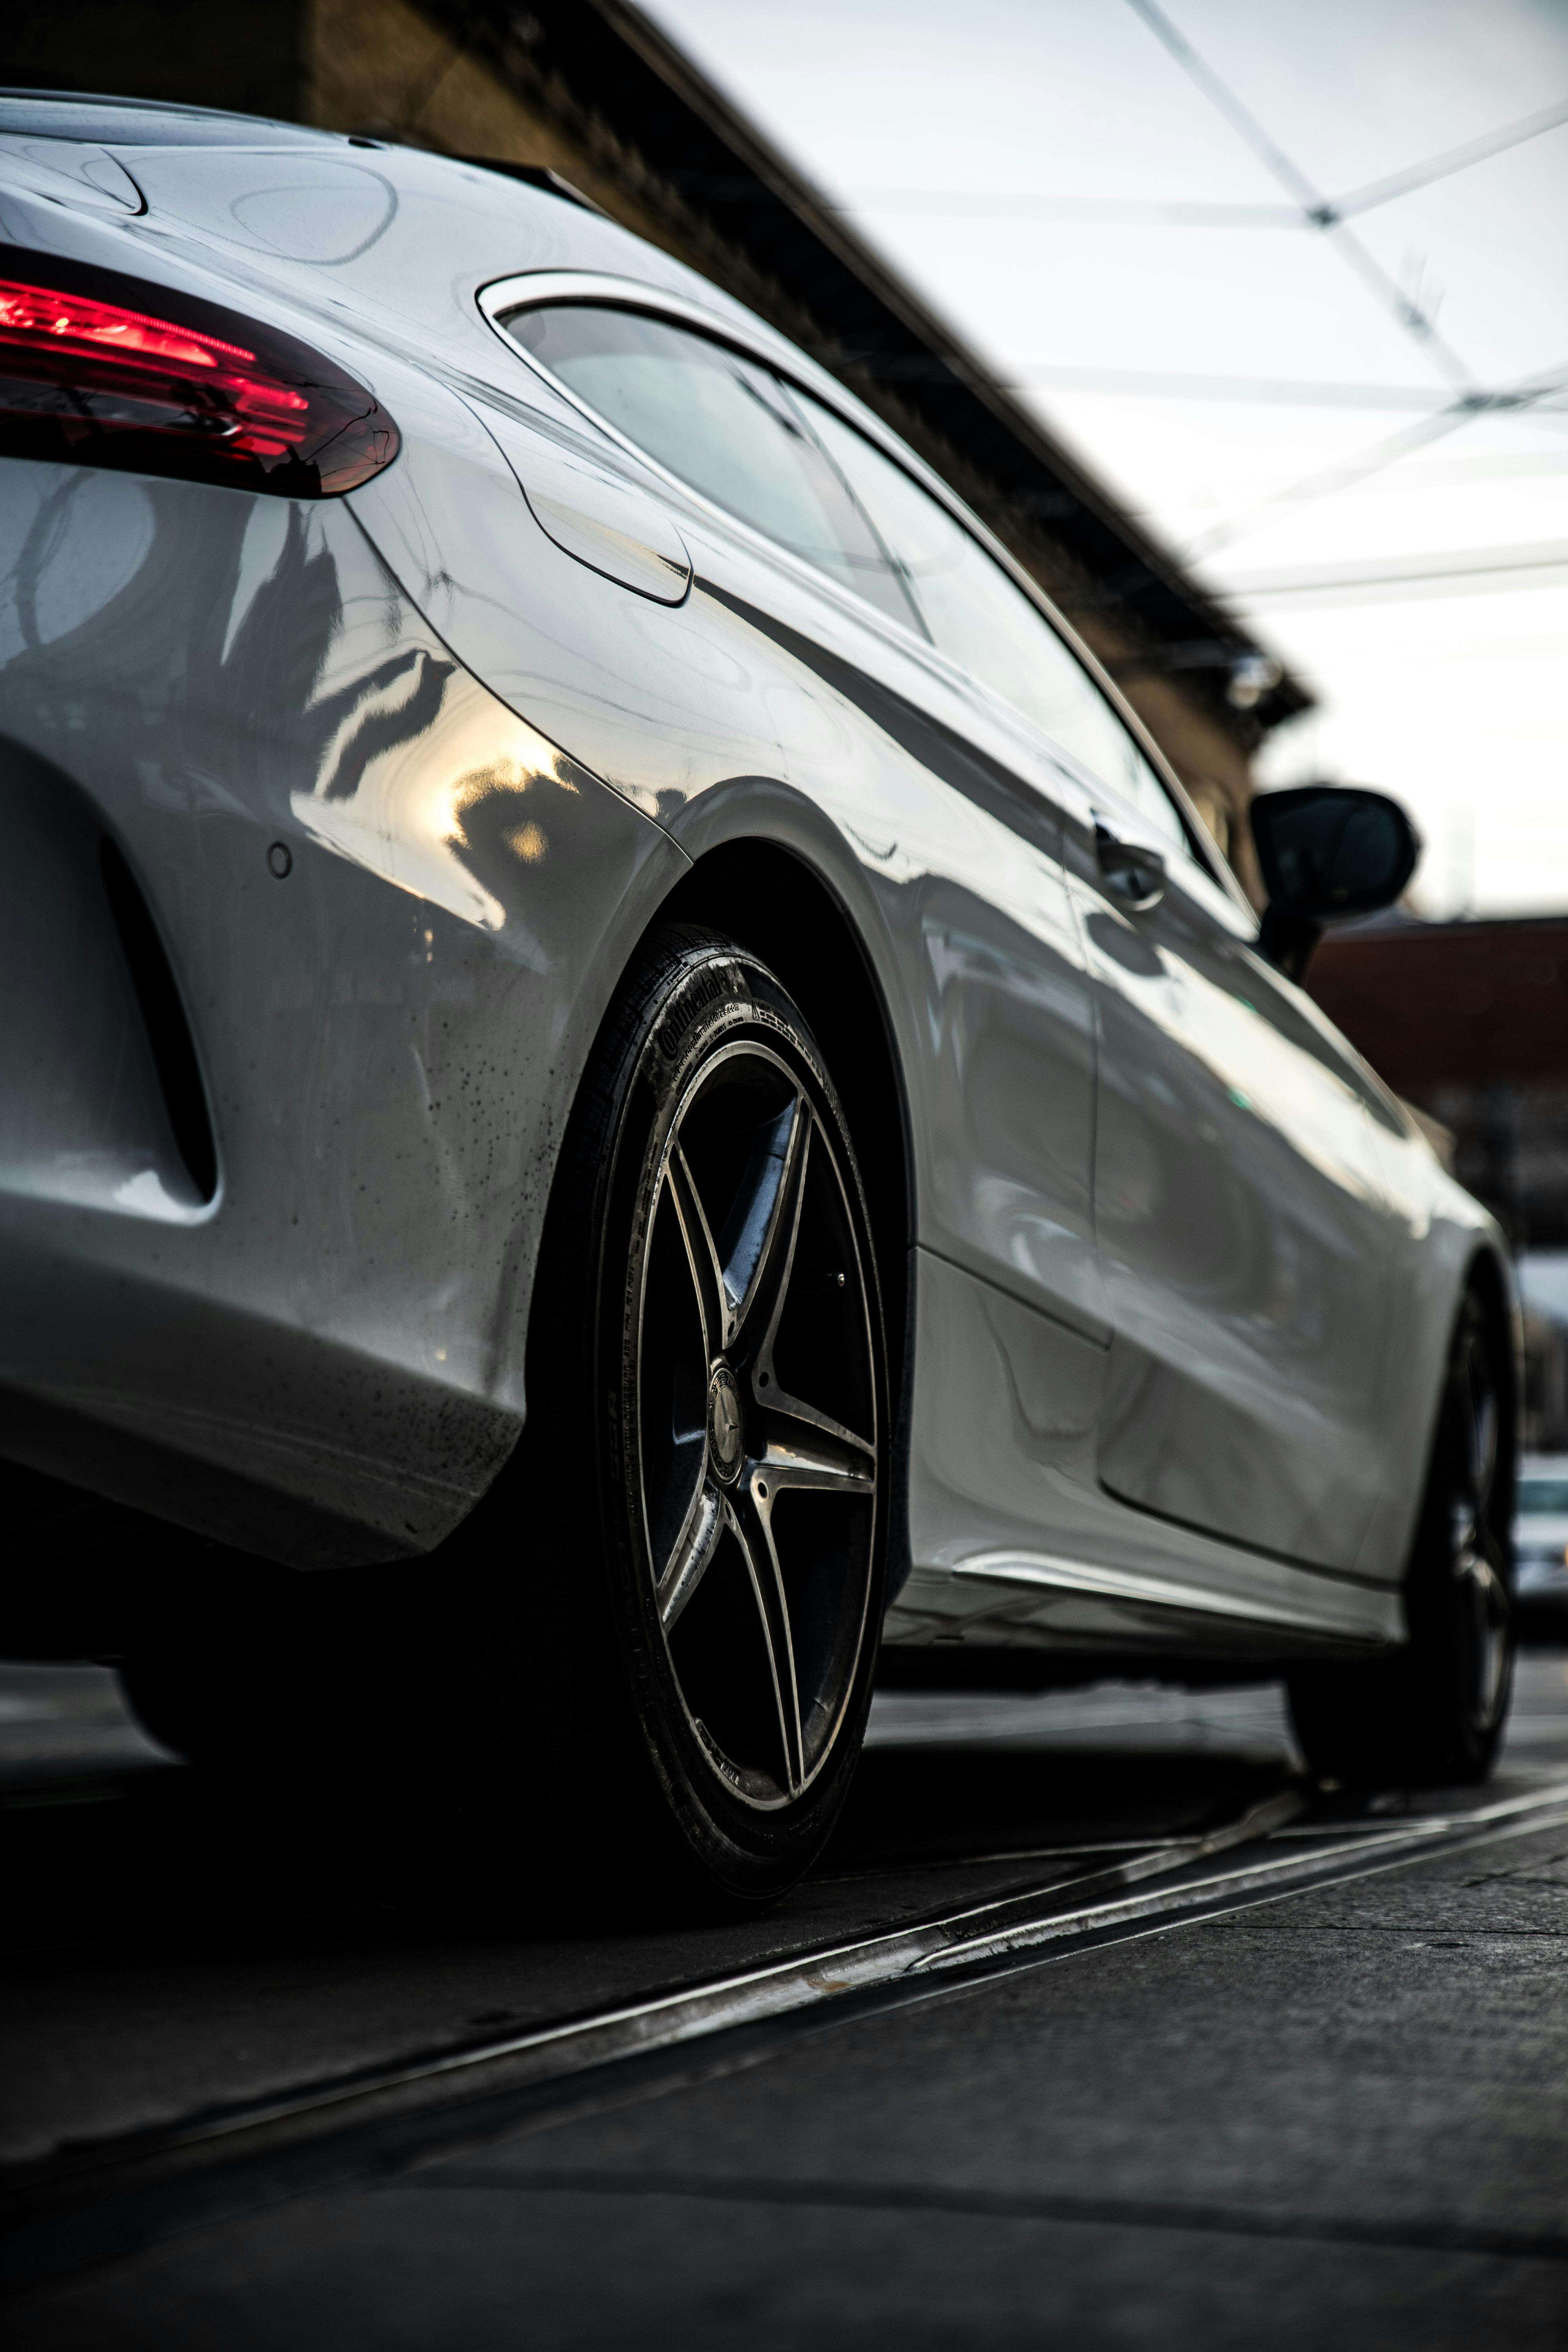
(1133, 873)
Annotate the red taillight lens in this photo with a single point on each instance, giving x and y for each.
(100, 370)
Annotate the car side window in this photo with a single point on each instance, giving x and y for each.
(785, 463)
(721, 421)
(983, 620)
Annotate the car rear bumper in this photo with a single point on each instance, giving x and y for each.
(392, 915)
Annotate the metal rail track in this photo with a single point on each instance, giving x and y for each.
(453, 2092)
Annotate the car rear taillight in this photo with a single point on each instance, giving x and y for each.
(99, 369)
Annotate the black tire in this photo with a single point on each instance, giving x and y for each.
(687, 1559)
(1432, 1715)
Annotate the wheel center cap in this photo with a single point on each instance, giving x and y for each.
(725, 1432)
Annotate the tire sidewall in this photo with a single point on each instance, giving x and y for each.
(1409, 1720)
(715, 995)
(1442, 1629)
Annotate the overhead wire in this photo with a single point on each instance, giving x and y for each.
(1316, 208)
(1513, 400)
(1325, 481)
(1311, 209)
(1130, 212)
(1473, 399)
(1455, 159)
(1284, 391)
(1498, 565)
(1152, 212)
(1327, 215)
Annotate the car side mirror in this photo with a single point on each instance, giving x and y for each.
(1326, 851)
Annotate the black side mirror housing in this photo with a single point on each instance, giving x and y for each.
(1326, 851)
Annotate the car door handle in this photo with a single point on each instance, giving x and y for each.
(1134, 873)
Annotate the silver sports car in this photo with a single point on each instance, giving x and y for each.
(619, 1048)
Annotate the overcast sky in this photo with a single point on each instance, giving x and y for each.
(1307, 414)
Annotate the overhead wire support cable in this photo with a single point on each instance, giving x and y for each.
(1512, 400)
(1167, 383)
(1520, 565)
(1153, 212)
(1324, 483)
(1129, 212)
(1317, 209)
(1473, 399)
(1454, 158)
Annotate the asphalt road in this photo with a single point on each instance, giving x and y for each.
(1094, 2025)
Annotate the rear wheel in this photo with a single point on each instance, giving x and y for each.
(689, 1558)
(1434, 1712)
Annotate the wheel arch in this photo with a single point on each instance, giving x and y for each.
(770, 899)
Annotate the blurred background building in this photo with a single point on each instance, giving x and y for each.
(1470, 1023)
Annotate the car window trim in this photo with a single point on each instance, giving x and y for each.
(542, 288)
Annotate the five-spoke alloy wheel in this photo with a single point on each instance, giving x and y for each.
(1434, 1712)
(752, 1439)
(708, 1394)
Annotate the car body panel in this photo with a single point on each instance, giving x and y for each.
(1438, 1234)
(1244, 1236)
(760, 680)
(386, 1035)
(493, 736)
(1014, 1535)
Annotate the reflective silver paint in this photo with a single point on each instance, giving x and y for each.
(1185, 1273)
(1244, 1234)
(387, 1036)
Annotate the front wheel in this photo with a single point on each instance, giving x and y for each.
(1434, 1712)
(693, 1545)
